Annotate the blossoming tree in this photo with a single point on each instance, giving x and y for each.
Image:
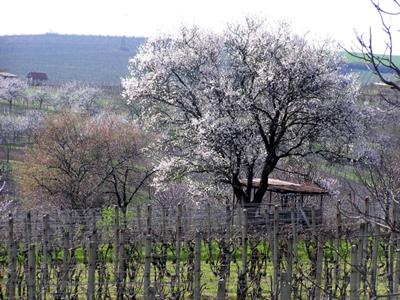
(12, 89)
(233, 105)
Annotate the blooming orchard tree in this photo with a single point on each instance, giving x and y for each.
(12, 89)
(233, 105)
(77, 96)
(41, 95)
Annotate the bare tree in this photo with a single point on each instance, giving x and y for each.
(377, 166)
(383, 64)
(78, 161)
(124, 160)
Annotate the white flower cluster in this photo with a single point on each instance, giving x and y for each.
(228, 104)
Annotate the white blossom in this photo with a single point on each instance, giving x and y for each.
(229, 105)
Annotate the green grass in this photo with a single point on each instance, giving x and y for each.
(352, 59)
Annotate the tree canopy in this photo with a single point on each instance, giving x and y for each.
(78, 161)
(233, 105)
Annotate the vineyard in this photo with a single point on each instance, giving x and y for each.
(195, 252)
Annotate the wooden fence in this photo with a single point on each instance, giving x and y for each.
(191, 252)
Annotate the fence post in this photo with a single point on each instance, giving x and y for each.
(121, 263)
(336, 256)
(65, 265)
(197, 267)
(209, 223)
(225, 255)
(275, 258)
(285, 293)
(221, 289)
(30, 271)
(354, 278)
(318, 275)
(116, 245)
(178, 251)
(148, 219)
(12, 260)
(147, 257)
(147, 266)
(242, 281)
(289, 269)
(396, 273)
(92, 270)
(139, 217)
(374, 261)
(45, 250)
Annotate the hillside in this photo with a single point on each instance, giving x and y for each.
(363, 70)
(92, 59)
(95, 59)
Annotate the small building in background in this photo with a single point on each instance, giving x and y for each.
(37, 78)
(301, 203)
(6, 75)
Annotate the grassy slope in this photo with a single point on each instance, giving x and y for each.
(351, 59)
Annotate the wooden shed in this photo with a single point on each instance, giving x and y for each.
(291, 198)
(36, 78)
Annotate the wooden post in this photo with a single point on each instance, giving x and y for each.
(209, 223)
(317, 263)
(163, 225)
(147, 258)
(396, 254)
(32, 272)
(45, 250)
(147, 266)
(285, 293)
(318, 275)
(225, 255)
(92, 270)
(374, 262)
(275, 259)
(139, 217)
(288, 275)
(336, 257)
(116, 245)
(221, 289)
(12, 260)
(29, 267)
(391, 263)
(197, 267)
(66, 261)
(148, 219)
(178, 250)
(242, 279)
(354, 276)
(121, 275)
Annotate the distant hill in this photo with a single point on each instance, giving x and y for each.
(92, 59)
(96, 59)
(363, 70)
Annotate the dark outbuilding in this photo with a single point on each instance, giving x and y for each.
(37, 78)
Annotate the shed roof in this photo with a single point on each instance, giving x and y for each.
(37, 75)
(7, 75)
(285, 187)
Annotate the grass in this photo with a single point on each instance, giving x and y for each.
(352, 59)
